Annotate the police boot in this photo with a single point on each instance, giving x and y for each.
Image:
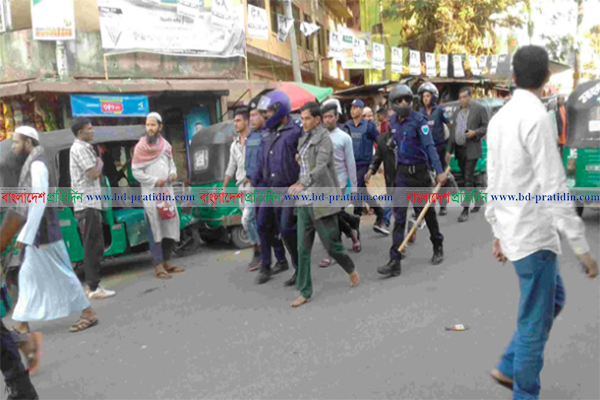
(464, 216)
(280, 266)
(391, 269)
(264, 276)
(443, 211)
(438, 254)
(21, 388)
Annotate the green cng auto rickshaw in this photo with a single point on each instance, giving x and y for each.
(581, 154)
(209, 155)
(124, 227)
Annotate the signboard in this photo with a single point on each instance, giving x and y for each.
(430, 64)
(347, 39)
(397, 60)
(335, 45)
(415, 62)
(126, 105)
(53, 19)
(258, 26)
(474, 65)
(169, 28)
(378, 56)
(444, 65)
(457, 64)
(482, 63)
(359, 55)
(494, 65)
(284, 25)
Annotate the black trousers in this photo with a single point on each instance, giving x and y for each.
(89, 222)
(15, 374)
(347, 223)
(467, 169)
(361, 171)
(441, 150)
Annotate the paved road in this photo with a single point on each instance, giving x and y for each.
(212, 333)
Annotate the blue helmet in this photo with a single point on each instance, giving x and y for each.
(280, 103)
(428, 87)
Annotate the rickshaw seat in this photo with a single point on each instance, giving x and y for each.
(129, 215)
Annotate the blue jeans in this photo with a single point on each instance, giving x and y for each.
(387, 214)
(249, 222)
(542, 299)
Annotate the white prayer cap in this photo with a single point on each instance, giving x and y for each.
(28, 131)
(155, 115)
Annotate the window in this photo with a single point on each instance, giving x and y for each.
(277, 7)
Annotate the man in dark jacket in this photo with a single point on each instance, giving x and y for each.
(469, 126)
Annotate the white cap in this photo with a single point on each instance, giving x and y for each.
(28, 131)
(155, 115)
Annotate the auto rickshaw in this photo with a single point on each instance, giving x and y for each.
(124, 227)
(581, 155)
(209, 155)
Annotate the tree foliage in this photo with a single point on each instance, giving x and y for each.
(452, 26)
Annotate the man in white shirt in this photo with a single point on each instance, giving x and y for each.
(522, 155)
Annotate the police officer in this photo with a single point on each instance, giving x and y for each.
(364, 134)
(414, 147)
(278, 169)
(437, 118)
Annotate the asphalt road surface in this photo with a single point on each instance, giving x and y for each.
(213, 333)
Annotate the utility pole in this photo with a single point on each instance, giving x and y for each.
(293, 43)
(314, 6)
(577, 69)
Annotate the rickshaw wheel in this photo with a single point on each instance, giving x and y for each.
(189, 242)
(240, 238)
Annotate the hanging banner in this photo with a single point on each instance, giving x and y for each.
(378, 56)
(359, 55)
(156, 27)
(474, 65)
(397, 60)
(494, 65)
(482, 63)
(415, 62)
(504, 66)
(109, 105)
(457, 64)
(444, 65)
(347, 38)
(430, 64)
(335, 45)
(258, 26)
(308, 29)
(188, 8)
(284, 25)
(53, 19)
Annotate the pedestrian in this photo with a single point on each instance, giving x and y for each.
(86, 170)
(384, 127)
(382, 118)
(343, 156)
(468, 127)
(317, 170)
(277, 170)
(254, 146)
(414, 149)
(154, 168)
(367, 114)
(364, 134)
(48, 287)
(437, 119)
(236, 169)
(528, 235)
(561, 123)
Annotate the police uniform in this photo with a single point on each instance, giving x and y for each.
(363, 137)
(436, 121)
(277, 168)
(414, 149)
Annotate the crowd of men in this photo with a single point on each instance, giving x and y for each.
(277, 152)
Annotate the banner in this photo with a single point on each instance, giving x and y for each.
(284, 24)
(494, 65)
(258, 25)
(504, 66)
(53, 19)
(482, 63)
(474, 65)
(335, 45)
(124, 105)
(359, 55)
(188, 8)
(415, 62)
(457, 64)
(347, 38)
(308, 29)
(444, 65)
(430, 64)
(156, 27)
(378, 56)
(359, 51)
(397, 60)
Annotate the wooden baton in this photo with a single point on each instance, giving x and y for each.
(422, 215)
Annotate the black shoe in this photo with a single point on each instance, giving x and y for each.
(21, 388)
(464, 216)
(264, 276)
(291, 281)
(280, 266)
(443, 211)
(380, 227)
(476, 209)
(391, 269)
(438, 255)
(403, 254)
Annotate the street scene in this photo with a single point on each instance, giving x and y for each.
(373, 199)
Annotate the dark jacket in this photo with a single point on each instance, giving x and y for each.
(437, 119)
(253, 148)
(477, 121)
(386, 154)
(363, 137)
(277, 165)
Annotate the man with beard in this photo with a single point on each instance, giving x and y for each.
(154, 168)
(48, 287)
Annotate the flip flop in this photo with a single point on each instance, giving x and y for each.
(162, 275)
(86, 324)
(14, 328)
(326, 262)
(175, 270)
(299, 301)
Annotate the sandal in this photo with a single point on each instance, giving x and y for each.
(14, 328)
(173, 269)
(299, 301)
(83, 324)
(326, 262)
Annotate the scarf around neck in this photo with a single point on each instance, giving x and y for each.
(146, 153)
